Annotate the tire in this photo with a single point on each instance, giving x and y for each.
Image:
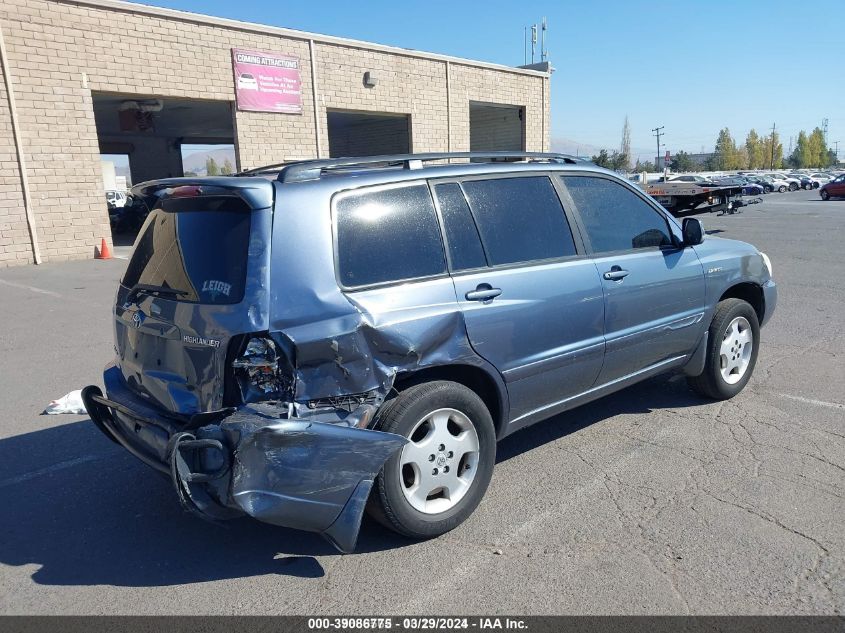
(793, 186)
(393, 502)
(782, 188)
(713, 381)
(825, 195)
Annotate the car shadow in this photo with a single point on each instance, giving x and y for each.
(668, 391)
(97, 516)
(82, 511)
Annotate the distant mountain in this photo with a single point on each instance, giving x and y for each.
(586, 150)
(195, 161)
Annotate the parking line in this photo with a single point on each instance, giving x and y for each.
(818, 403)
(70, 463)
(31, 288)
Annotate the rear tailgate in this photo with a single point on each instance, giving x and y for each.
(197, 278)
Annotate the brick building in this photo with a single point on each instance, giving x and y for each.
(86, 78)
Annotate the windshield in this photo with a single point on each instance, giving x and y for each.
(202, 253)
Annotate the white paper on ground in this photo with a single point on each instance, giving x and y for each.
(71, 403)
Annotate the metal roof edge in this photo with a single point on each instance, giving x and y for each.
(254, 27)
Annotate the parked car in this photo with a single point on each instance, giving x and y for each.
(131, 216)
(793, 184)
(767, 185)
(805, 180)
(689, 178)
(366, 329)
(821, 177)
(779, 183)
(115, 198)
(833, 189)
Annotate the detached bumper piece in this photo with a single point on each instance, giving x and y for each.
(294, 472)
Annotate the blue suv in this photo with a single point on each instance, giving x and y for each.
(308, 341)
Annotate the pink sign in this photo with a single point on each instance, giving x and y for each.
(265, 82)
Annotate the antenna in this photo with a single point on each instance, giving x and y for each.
(533, 41)
(544, 55)
(525, 45)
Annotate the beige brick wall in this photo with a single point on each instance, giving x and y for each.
(60, 52)
(14, 236)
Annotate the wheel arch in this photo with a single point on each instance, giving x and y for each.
(491, 391)
(749, 292)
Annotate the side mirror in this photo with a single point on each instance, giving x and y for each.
(693, 231)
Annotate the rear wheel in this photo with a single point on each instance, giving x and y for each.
(441, 474)
(732, 345)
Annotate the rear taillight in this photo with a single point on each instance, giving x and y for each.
(257, 371)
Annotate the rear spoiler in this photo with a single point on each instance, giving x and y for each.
(257, 193)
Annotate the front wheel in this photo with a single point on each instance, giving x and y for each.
(825, 195)
(732, 346)
(782, 188)
(793, 187)
(441, 474)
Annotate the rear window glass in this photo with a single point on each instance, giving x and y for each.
(200, 252)
(520, 219)
(388, 235)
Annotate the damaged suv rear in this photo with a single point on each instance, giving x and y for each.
(322, 337)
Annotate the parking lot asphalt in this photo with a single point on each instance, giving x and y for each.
(651, 501)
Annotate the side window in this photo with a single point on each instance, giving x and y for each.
(615, 218)
(519, 219)
(461, 235)
(388, 235)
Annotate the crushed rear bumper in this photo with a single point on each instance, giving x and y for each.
(296, 472)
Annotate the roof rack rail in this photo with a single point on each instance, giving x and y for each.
(313, 169)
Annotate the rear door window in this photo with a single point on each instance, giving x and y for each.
(519, 219)
(198, 246)
(614, 217)
(464, 244)
(387, 235)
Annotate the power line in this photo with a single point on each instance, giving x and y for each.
(772, 166)
(658, 134)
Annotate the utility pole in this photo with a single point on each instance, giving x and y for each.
(772, 166)
(658, 134)
(824, 130)
(837, 149)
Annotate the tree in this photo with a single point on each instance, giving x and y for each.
(625, 146)
(726, 155)
(816, 148)
(644, 166)
(211, 167)
(772, 159)
(754, 150)
(602, 159)
(683, 162)
(227, 168)
(618, 161)
(801, 156)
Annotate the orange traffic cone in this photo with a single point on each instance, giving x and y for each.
(104, 252)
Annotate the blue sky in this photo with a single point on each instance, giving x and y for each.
(693, 67)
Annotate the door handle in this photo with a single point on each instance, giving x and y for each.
(616, 274)
(483, 292)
